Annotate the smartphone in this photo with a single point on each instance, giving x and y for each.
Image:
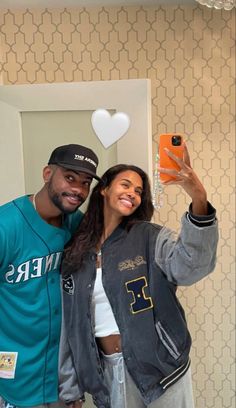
(173, 142)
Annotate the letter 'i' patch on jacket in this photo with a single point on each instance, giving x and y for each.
(141, 301)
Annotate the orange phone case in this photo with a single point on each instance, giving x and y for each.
(165, 161)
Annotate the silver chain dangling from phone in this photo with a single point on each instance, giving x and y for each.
(157, 195)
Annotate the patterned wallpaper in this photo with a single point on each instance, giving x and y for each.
(189, 55)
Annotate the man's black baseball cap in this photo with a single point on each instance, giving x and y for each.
(75, 157)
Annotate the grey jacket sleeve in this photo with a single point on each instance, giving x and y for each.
(187, 258)
(68, 384)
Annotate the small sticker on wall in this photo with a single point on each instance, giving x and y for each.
(8, 361)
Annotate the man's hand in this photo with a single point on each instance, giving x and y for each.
(75, 404)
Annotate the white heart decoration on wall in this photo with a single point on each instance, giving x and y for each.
(109, 128)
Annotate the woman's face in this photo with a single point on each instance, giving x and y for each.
(123, 196)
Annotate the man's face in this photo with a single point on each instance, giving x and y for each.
(67, 189)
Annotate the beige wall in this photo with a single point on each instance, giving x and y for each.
(43, 131)
(189, 55)
(11, 161)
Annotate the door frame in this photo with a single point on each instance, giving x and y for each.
(130, 96)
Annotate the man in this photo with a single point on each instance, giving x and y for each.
(33, 232)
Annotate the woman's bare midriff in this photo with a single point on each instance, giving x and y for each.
(109, 344)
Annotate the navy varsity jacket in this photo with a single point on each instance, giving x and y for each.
(140, 273)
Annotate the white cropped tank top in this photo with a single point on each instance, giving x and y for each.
(104, 319)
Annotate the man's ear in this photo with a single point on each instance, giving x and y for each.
(47, 173)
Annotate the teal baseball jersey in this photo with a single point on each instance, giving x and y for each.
(30, 313)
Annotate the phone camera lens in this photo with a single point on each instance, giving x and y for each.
(176, 140)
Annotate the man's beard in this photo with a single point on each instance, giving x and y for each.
(57, 200)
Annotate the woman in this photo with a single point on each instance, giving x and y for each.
(126, 340)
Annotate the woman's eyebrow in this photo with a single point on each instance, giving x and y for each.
(130, 182)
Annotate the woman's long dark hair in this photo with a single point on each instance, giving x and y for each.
(90, 229)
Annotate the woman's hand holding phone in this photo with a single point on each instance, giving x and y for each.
(177, 170)
(170, 151)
